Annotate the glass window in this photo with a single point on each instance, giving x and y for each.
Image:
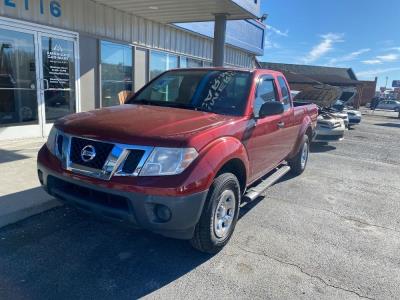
(172, 62)
(187, 62)
(161, 62)
(285, 92)
(116, 73)
(207, 64)
(194, 63)
(18, 94)
(221, 92)
(265, 93)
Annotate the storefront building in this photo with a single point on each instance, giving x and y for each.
(63, 56)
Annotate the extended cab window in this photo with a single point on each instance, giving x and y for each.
(265, 93)
(216, 91)
(285, 92)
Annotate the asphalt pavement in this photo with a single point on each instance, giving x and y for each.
(332, 233)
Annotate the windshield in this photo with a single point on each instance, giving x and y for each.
(339, 106)
(216, 91)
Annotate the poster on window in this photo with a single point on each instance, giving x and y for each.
(58, 55)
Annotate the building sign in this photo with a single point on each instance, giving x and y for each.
(396, 83)
(54, 6)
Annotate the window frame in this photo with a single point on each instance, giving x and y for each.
(99, 57)
(288, 92)
(260, 79)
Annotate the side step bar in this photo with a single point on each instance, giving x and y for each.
(257, 190)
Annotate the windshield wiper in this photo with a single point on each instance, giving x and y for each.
(147, 102)
(141, 101)
(168, 104)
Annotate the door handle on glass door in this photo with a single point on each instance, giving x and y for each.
(46, 84)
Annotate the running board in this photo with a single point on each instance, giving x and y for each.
(254, 192)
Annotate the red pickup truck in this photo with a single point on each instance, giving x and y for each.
(181, 155)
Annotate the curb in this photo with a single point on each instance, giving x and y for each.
(13, 211)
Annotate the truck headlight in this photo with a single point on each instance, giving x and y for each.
(55, 142)
(52, 140)
(168, 161)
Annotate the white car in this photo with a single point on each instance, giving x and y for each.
(329, 128)
(341, 115)
(353, 116)
(389, 105)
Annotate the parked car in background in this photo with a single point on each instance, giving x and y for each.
(329, 128)
(341, 115)
(355, 117)
(389, 105)
(183, 153)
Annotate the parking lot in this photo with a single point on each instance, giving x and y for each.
(332, 233)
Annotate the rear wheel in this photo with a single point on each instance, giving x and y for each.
(299, 163)
(219, 216)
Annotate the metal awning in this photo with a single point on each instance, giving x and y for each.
(175, 11)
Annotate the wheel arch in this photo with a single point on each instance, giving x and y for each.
(305, 129)
(237, 167)
(228, 154)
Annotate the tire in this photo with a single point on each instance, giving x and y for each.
(210, 236)
(299, 163)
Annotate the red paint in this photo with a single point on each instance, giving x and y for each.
(260, 144)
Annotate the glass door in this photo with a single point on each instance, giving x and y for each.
(38, 78)
(18, 84)
(58, 78)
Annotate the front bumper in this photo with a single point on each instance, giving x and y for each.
(328, 135)
(137, 209)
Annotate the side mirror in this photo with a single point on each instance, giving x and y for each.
(271, 109)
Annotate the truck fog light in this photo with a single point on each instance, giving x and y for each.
(162, 212)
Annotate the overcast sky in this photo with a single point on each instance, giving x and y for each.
(361, 34)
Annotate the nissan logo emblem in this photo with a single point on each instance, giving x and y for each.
(88, 153)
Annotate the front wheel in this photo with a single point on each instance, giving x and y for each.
(219, 216)
(299, 162)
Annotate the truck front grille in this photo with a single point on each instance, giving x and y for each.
(132, 161)
(102, 151)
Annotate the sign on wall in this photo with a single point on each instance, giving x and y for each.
(53, 7)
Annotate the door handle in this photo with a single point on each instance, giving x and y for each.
(281, 124)
(46, 84)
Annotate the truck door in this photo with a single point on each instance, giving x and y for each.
(264, 144)
(289, 130)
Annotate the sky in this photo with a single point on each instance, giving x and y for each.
(360, 34)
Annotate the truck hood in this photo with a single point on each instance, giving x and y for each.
(143, 125)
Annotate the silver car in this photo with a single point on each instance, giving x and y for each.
(389, 105)
(329, 128)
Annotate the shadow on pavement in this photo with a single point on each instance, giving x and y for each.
(246, 207)
(65, 254)
(320, 148)
(9, 156)
(394, 125)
